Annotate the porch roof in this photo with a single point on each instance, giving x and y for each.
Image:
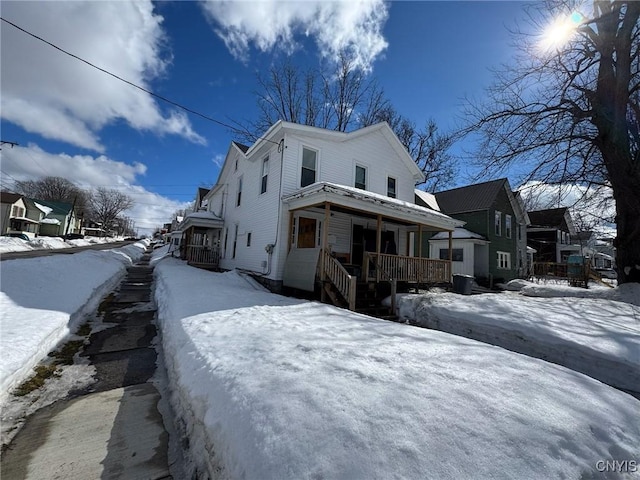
(369, 203)
(201, 219)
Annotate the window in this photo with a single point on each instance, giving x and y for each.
(309, 160)
(265, 174)
(504, 260)
(236, 166)
(361, 178)
(249, 239)
(239, 197)
(507, 225)
(456, 253)
(391, 187)
(235, 242)
(226, 237)
(17, 211)
(498, 223)
(519, 232)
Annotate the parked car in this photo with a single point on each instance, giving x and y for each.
(23, 236)
(73, 236)
(607, 273)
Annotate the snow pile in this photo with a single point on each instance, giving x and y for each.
(43, 299)
(275, 388)
(597, 336)
(14, 244)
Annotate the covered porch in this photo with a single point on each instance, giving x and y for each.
(199, 244)
(363, 240)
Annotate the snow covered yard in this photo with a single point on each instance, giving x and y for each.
(44, 299)
(594, 331)
(270, 387)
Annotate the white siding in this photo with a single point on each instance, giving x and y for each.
(466, 267)
(337, 163)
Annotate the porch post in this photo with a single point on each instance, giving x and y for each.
(290, 239)
(420, 241)
(450, 255)
(378, 242)
(325, 238)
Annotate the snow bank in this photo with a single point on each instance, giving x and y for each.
(43, 299)
(14, 244)
(594, 334)
(275, 388)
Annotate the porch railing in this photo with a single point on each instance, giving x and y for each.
(203, 256)
(405, 269)
(341, 279)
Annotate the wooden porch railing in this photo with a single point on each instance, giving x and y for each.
(406, 269)
(341, 279)
(203, 256)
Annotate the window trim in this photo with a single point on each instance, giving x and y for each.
(508, 226)
(395, 187)
(239, 192)
(506, 256)
(248, 239)
(497, 223)
(355, 181)
(302, 167)
(264, 178)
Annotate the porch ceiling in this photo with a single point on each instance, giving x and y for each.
(368, 204)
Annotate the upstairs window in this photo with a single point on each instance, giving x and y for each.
(309, 164)
(507, 226)
(391, 187)
(361, 178)
(498, 223)
(265, 175)
(239, 197)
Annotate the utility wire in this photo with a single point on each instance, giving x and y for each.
(153, 94)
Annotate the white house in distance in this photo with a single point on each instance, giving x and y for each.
(305, 206)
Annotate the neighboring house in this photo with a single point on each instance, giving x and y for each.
(492, 246)
(550, 233)
(14, 215)
(60, 221)
(304, 199)
(93, 229)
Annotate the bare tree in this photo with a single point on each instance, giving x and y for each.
(107, 205)
(571, 114)
(343, 99)
(55, 189)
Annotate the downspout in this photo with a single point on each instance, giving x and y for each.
(272, 246)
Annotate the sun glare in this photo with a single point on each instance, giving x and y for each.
(560, 31)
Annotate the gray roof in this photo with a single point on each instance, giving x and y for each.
(242, 147)
(551, 217)
(471, 198)
(9, 197)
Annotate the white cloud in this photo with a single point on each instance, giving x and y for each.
(352, 25)
(32, 163)
(51, 94)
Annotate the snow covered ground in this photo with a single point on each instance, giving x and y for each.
(270, 387)
(44, 299)
(594, 331)
(14, 244)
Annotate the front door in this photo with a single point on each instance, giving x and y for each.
(306, 232)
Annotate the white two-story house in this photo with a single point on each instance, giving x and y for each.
(305, 206)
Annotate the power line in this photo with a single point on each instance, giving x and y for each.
(153, 94)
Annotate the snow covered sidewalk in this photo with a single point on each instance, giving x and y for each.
(44, 299)
(270, 387)
(598, 335)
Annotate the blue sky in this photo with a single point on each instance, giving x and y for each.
(73, 121)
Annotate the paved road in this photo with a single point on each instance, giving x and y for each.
(60, 251)
(113, 429)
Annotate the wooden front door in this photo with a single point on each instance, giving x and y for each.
(306, 232)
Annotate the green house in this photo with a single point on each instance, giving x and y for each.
(493, 243)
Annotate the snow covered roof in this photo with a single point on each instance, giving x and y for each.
(362, 200)
(50, 221)
(201, 219)
(459, 234)
(43, 209)
(429, 199)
